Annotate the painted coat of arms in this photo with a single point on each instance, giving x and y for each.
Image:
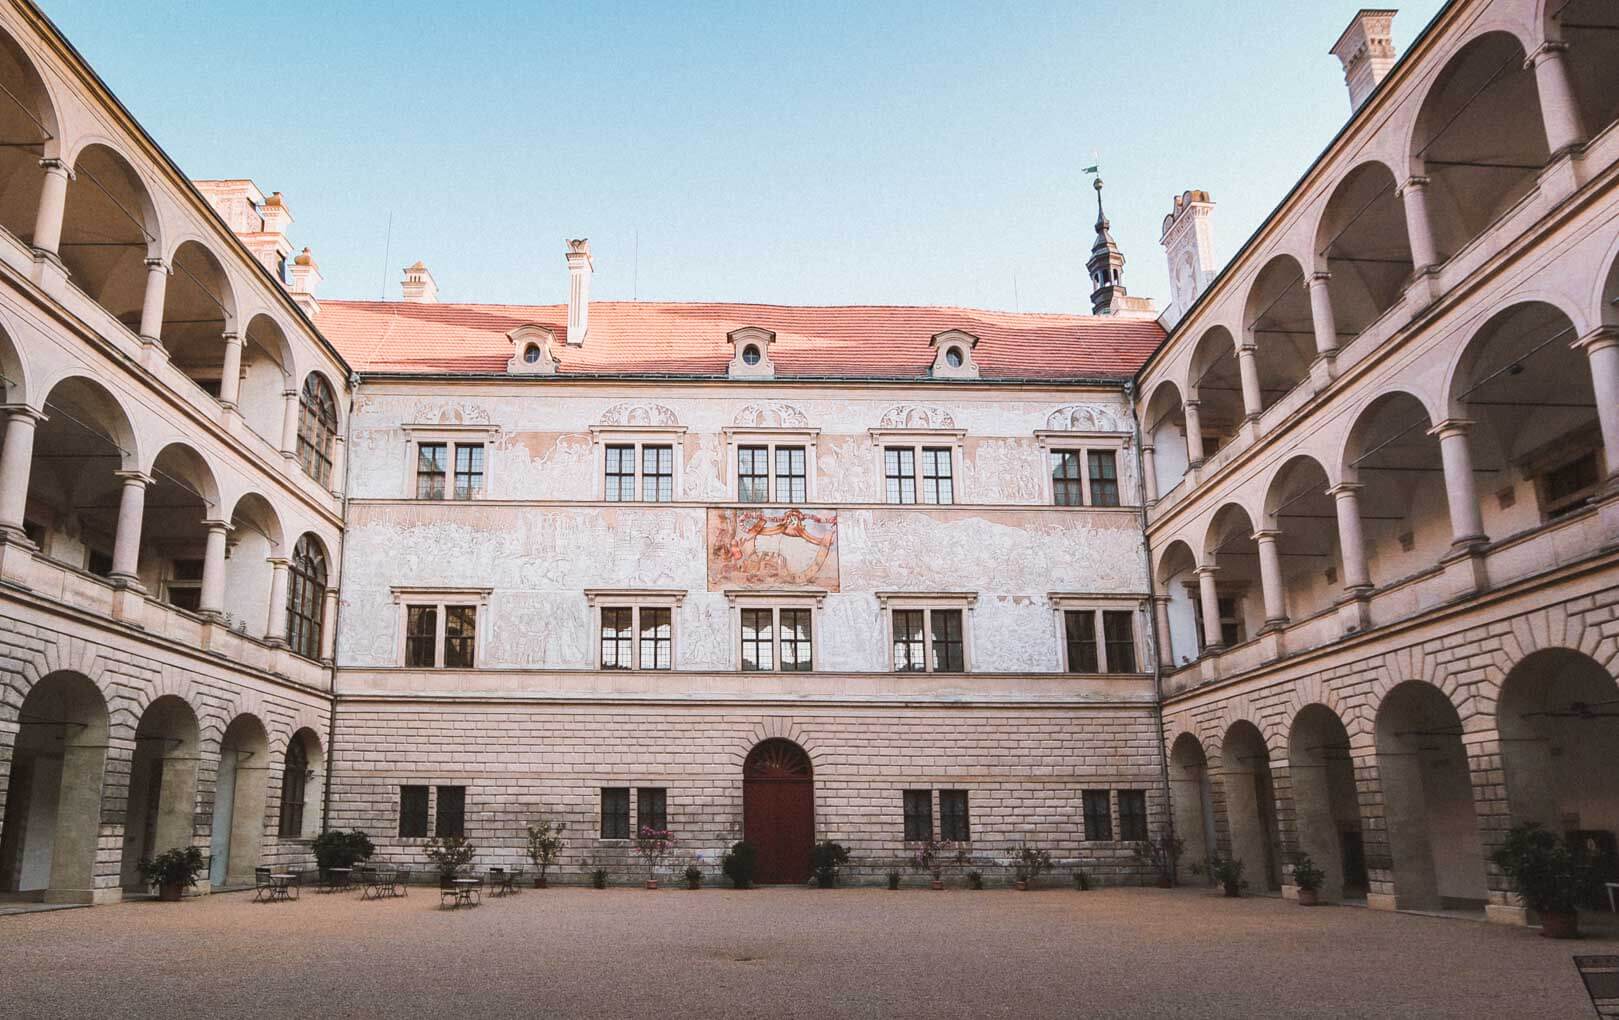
(772, 548)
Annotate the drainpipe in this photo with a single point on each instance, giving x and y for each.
(337, 632)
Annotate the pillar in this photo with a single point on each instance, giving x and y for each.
(1211, 608)
(127, 542)
(1466, 523)
(275, 628)
(212, 602)
(1149, 474)
(16, 460)
(335, 483)
(289, 424)
(1252, 401)
(1166, 646)
(230, 379)
(1194, 434)
(1270, 579)
(52, 206)
(1321, 319)
(1351, 542)
(1418, 227)
(1559, 110)
(1601, 349)
(157, 287)
(328, 626)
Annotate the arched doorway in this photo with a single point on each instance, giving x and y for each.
(162, 785)
(53, 798)
(239, 797)
(1325, 804)
(778, 810)
(1250, 801)
(1559, 721)
(1193, 800)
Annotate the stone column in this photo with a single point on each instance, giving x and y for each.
(1559, 110)
(1321, 317)
(157, 286)
(1270, 579)
(230, 379)
(335, 483)
(1211, 608)
(1466, 522)
(1194, 434)
(1253, 401)
(1418, 227)
(52, 206)
(127, 542)
(1601, 348)
(212, 602)
(275, 632)
(1351, 542)
(1166, 646)
(289, 424)
(1149, 474)
(328, 626)
(16, 460)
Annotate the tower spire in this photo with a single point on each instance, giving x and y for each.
(1106, 264)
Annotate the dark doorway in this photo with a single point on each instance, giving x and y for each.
(778, 810)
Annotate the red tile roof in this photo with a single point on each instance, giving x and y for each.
(665, 337)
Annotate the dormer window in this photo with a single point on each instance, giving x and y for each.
(952, 355)
(750, 358)
(751, 354)
(534, 350)
(531, 354)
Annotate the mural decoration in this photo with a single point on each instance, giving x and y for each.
(772, 548)
(1082, 418)
(773, 415)
(917, 416)
(639, 414)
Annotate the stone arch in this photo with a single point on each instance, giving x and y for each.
(1603, 307)
(1230, 549)
(1250, 798)
(1175, 577)
(29, 123)
(110, 227)
(240, 789)
(1362, 243)
(1590, 28)
(772, 728)
(1326, 807)
(1300, 516)
(778, 808)
(1191, 796)
(255, 538)
(161, 811)
(266, 376)
(199, 309)
(14, 371)
(1391, 453)
(1276, 320)
(82, 451)
(300, 794)
(1214, 380)
(1164, 429)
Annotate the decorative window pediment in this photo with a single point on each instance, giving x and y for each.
(750, 353)
(953, 355)
(533, 351)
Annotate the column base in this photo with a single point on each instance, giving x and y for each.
(1355, 611)
(1422, 290)
(153, 354)
(1250, 427)
(129, 602)
(1464, 569)
(1323, 370)
(16, 553)
(1270, 640)
(50, 273)
(1564, 173)
(93, 897)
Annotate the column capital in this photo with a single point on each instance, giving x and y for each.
(1192, 405)
(230, 336)
(1451, 427)
(1146, 448)
(219, 525)
(1597, 339)
(140, 478)
(157, 263)
(52, 165)
(1248, 348)
(1345, 490)
(1264, 535)
(1209, 571)
(18, 412)
(1551, 49)
(1317, 279)
(1416, 182)
(277, 562)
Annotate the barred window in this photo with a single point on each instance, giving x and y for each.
(469, 471)
(753, 474)
(421, 636)
(899, 471)
(758, 639)
(1066, 487)
(294, 783)
(938, 484)
(657, 638)
(432, 460)
(918, 816)
(452, 811)
(1098, 815)
(1104, 478)
(183, 587)
(460, 636)
(949, 648)
(651, 808)
(306, 597)
(620, 473)
(797, 644)
(617, 651)
(1133, 815)
(1118, 630)
(909, 644)
(1079, 626)
(658, 474)
(615, 812)
(317, 428)
(792, 478)
(412, 812)
(954, 823)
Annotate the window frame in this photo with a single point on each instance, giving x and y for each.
(441, 827)
(770, 438)
(1083, 444)
(929, 603)
(441, 600)
(660, 794)
(306, 631)
(426, 812)
(319, 431)
(635, 599)
(909, 797)
(774, 602)
(601, 812)
(1096, 604)
(639, 437)
(453, 437)
(947, 831)
(1135, 796)
(1090, 834)
(919, 441)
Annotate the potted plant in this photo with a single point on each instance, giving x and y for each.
(1163, 856)
(826, 858)
(449, 855)
(739, 862)
(598, 878)
(1027, 864)
(694, 877)
(1228, 872)
(975, 879)
(929, 857)
(1082, 881)
(1547, 877)
(653, 845)
(544, 847)
(172, 871)
(893, 879)
(1308, 878)
(335, 848)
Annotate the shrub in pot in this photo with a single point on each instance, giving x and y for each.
(1082, 881)
(598, 878)
(172, 871)
(653, 845)
(1027, 864)
(739, 863)
(335, 848)
(1308, 878)
(1163, 856)
(1228, 872)
(1548, 878)
(893, 880)
(975, 879)
(694, 877)
(449, 855)
(825, 859)
(544, 847)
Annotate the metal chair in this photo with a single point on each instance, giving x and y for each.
(1601, 977)
(264, 890)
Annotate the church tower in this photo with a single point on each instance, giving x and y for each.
(1106, 265)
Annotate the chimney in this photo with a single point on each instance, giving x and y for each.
(1367, 51)
(1188, 241)
(579, 270)
(419, 286)
(277, 217)
(305, 280)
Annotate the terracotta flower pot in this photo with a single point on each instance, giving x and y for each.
(1233, 890)
(1558, 925)
(1309, 898)
(539, 883)
(651, 883)
(1021, 885)
(170, 892)
(694, 883)
(1164, 882)
(938, 883)
(893, 881)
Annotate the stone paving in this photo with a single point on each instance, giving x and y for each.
(777, 953)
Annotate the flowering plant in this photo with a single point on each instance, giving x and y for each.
(933, 854)
(653, 845)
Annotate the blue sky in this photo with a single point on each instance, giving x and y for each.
(894, 153)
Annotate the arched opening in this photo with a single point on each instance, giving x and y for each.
(162, 785)
(1559, 723)
(53, 797)
(80, 447)
(1216, 385)
(109, 229)
(239, 796)
(1192, 796)
(255, 537)
(1165, 429)
(778, 810)
(1250, 803)
(302, 784)
(28, 132)
(1326, 807)
(306, 596)
(266, 377)
(198, 308)
(1535, 441)
(1230, 550)
(1401, 502)
(1363, 243)
(174, 539)
(317, 428)
(1591, 29)
(1177, 587)
(1479, 139)
(1277, 321)
(1305, 518)
(1428, 801)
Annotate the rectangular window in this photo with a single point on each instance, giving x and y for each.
(184, 587)
(651, 809)
(899, 471)
(617, 650)
(615, 813)
(1118, 630)
(1133, 815)
(460, 636)
(469, 471)
(1098, 816)
(412, 812)
(954, 823)
(796, 640)
(1104, 478)
(758, 639)
(620, 474)
(658, 474)
(792, 478)
(1079, 626)
(753, 474)
(949, 649)
(431, 462)
(657, 638)
(918, 816)
(937, 479)
(96, 562)
(421, 636)
(452, 811)
(1066, 487)
(1567, 487)
(909, 643)
(1232, 631)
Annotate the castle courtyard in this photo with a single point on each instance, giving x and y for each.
(781, 952)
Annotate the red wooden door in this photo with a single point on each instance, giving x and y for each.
(778, 811)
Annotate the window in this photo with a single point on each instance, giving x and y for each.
(909, 646)
(294, 781)
(928, 638)
(1098, 816)
(753, 474)
(1233, 631)
(452, 811)
(777, 639)
(460, 636)
(616, 813)
(434, 478)
(620, 473)
(1082, 474)
(431, 460)
(317, 428)
(306, 597)
(797, 644)
(1079, 627)
(899, 471)
(792, 474)
(954, 823)
(651, 809)
(412, 812)
(95, 561)
(183, 589)
(919, 473)
(1565, 489)
(658, 474)
(421, 636)
(758, 639)
(949, 650)
(636, 628)
(1133, 815)
(1118, 630)
(773, 464)
(617, 649)
(468, 471)
(441, 634)
(937, 481)
(918, 816)
(1066, 487)
(655, 464)
(657, 638)
(1104, 478)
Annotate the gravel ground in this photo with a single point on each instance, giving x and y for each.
(778, 952)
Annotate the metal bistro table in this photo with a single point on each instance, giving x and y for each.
(282, 887)
(465, 890)
(339, 879)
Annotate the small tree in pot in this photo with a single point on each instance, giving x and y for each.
(929, 857)
(1308, 878)
(1163, 856)
(694, 876)
(335, 848)
(1547, 877)
(826, 858)
(172, 871)
(1027, 864)
(544, 846)
(449, 855)
(1228, 872)
(653, 845)
(738, 864)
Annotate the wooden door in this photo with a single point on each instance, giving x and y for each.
(778, 811)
